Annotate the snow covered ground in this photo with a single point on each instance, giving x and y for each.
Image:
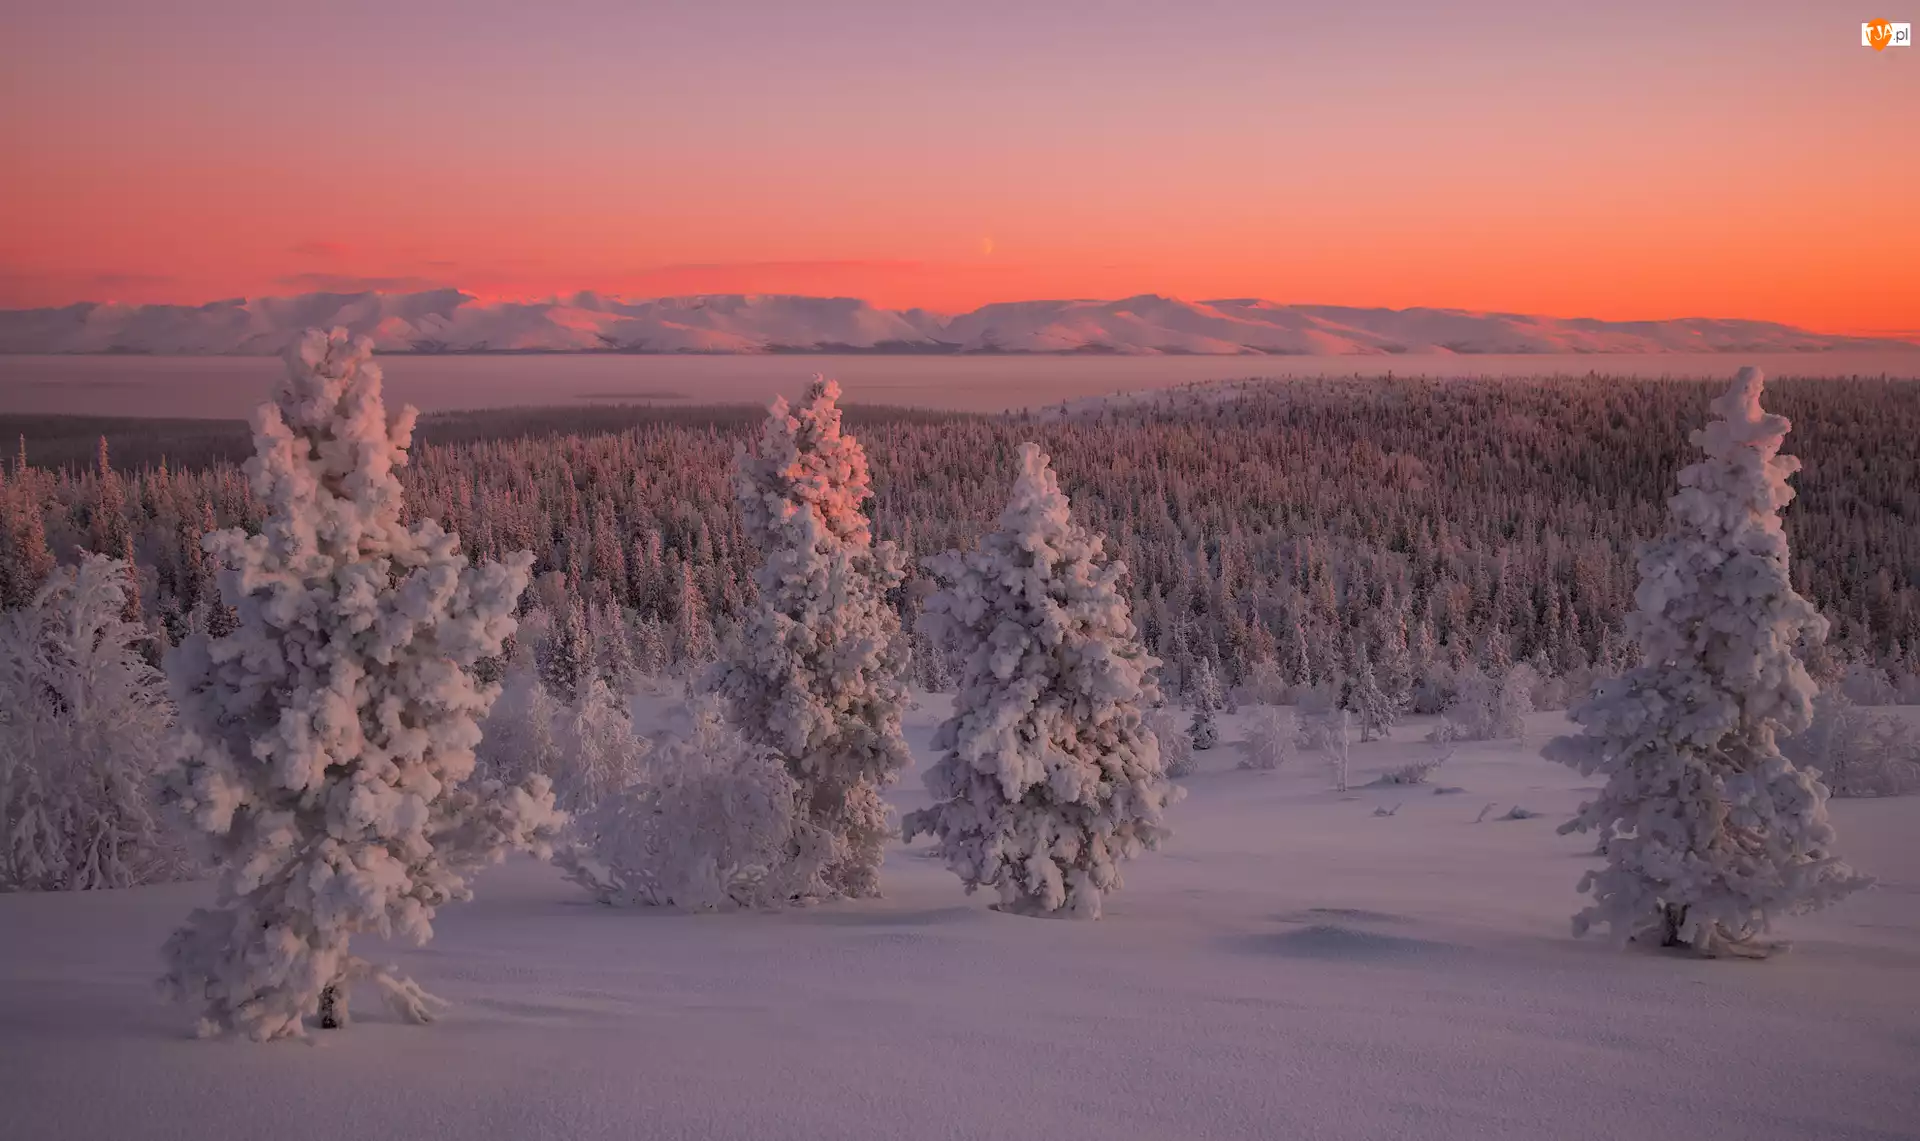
(1292, 966)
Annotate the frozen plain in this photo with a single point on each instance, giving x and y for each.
(1291, 966)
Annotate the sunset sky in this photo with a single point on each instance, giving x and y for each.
(1628, 160)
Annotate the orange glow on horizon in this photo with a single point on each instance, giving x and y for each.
(1576, 167)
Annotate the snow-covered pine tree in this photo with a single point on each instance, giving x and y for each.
(82, 720)
(1712, 833)
(818, 670)
(324, 746)
(1048, 776)
(1203, 732)
(566, 656)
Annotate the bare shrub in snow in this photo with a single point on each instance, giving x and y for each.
(1339, 744)
(325, 743)
(1270, 738)
(716, 822)
(1415, 772)
(818, 671)
(82, 720)
(1710, 831)
(1857, 753)
(1049, 777)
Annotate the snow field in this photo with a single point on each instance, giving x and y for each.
(1288, 966)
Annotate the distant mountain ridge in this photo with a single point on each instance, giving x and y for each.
(450, 321)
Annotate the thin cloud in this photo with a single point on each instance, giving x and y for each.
(351, 283)
(825, 266)
(319, 249)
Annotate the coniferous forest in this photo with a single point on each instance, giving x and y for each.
(1279, 531)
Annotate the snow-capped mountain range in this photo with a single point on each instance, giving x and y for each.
(451, 321)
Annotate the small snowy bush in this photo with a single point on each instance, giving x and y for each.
(1857, 753)
(1270, 738)
(715, 822)
(1485, 708)
(1317, 717)
(83, 718)
(586, 750)
(1176, 746)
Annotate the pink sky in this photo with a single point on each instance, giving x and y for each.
(1648, 160)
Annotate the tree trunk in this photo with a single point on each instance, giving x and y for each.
(1672, 916)
(333, 1007)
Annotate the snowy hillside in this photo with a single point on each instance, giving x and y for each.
(451, 321)
(1292, 966)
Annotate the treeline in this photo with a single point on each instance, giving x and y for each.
(1280, 531)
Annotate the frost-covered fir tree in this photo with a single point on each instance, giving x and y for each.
(325, 744)
(1203, 693)
(1048, 777)
(817, 672)
(1711, 832)
(82, 720)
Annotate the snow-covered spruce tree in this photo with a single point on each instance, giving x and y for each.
(1371, 705)
(817, 672)
(1203, 731)
(1711, 832)
(1048, 776)
(325, 744)
(1270, 736)
(82, 720)
(716, 822)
